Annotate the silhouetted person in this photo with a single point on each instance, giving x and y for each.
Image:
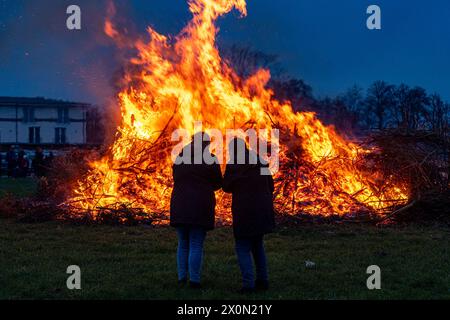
(252, 210)
(48, 162)
(11, 162)
(50, 157)
(38, 163)
(22, 164)
(192, 206)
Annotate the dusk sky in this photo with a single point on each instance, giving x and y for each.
(324, 42)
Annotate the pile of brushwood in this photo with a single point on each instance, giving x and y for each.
(416, 159)
(420, 160)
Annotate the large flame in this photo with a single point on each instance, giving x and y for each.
(174, 82)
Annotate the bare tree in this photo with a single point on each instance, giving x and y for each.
(379, 102)
(353, 98)
(417, 112)
(438, 117)
(294, 90)
(246, 61)
(400, 110)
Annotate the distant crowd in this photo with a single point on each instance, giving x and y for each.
(20, 165)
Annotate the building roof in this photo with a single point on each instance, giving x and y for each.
(39, 102)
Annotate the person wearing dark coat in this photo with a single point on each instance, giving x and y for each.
(11, 160)
(38, 163)
(22, 164)
(249, 181)
(192, 206)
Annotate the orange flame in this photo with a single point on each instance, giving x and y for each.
(175, 82)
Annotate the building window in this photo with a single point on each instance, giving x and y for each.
(34, 135)
(63, 115)
(60, 135)
(28, 114)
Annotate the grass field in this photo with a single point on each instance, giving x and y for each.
(19, 187)
(139, 262)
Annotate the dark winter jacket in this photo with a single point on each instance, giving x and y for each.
(252, 192)
(193, 201)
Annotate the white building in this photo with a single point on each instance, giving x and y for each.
(39, 121)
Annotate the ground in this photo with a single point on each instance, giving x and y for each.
(139, 262)
(119, 262)
(19, 187)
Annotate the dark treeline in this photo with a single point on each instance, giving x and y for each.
(386, 106)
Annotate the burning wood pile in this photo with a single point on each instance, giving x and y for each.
(419, 159)
(173, 82)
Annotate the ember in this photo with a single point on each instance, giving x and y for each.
(174, 82)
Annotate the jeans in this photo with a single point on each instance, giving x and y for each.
(245, 249)
(190, 252)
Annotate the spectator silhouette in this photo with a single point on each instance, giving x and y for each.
(252, 210)
(192, 207)
(11, 162)
(22, 164)
(38, 163)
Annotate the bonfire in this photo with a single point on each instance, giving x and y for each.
(173, 83)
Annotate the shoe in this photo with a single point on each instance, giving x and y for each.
(182, 282)
(195, 285)
(246, 290)
(261, 285)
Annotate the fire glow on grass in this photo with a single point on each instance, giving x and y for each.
(174, 82)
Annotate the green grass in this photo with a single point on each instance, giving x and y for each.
(22, 187)
(139, 262)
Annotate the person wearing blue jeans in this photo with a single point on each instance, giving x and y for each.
(246, 248)
(249, 181)
(192, 205)
(190, 253)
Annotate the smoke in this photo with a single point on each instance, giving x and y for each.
(36, 44)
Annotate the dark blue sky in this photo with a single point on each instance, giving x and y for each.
(324, 42)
